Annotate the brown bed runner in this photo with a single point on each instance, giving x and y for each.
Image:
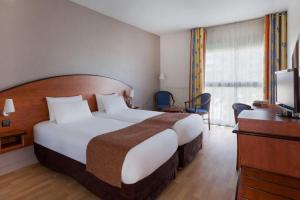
(106, 153)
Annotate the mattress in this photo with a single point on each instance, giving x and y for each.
(71, 140)
(186, 129)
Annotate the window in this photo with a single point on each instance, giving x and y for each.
(234, 67)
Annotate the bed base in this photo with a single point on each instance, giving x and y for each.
(147, 188)
(188, 151)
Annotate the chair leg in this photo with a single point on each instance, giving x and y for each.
(208, 120)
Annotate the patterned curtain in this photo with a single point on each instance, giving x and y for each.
(197, 62)
(275, 51)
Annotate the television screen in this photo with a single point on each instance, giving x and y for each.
(296, 54)
(285, 88)
(287, 94)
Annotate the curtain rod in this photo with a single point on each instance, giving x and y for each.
(258, 18)
(231, 23)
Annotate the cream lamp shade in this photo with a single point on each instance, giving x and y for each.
(8, 107)
(131, 94)
(162, 76)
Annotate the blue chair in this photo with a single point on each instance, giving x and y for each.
(163, 99)
(238, 108)
(201, 107)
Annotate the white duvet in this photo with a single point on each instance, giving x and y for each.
(71, 140)
(186, 129)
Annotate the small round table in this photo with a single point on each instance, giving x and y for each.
(174, 109)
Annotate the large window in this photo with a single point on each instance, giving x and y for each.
(234, 67)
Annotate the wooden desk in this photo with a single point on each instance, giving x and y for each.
(257, 184)
(266, 121)
(269, 142)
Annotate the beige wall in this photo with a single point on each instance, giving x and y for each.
(293, 26)
(42, 38)
(175, 63)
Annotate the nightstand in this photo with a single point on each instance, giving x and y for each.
(10, 140)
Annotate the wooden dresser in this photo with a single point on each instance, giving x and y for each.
(258, 184)
(270, 144)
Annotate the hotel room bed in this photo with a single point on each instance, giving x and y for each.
(189, 130)
(142, 163)
(147, 167)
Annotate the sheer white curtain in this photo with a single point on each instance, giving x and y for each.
(234, 67)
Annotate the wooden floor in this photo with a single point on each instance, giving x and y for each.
(211, 176)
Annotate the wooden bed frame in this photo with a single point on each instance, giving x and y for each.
(146, 189)
(31, 108)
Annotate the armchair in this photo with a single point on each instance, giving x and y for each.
(201, 108)
(163, 99)
(238, 108)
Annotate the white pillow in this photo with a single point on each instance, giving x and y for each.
(99, 100)
(53, 100)
(113, 104)
(71, 111)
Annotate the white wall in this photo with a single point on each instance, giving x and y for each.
(293, 26)
(175, 63)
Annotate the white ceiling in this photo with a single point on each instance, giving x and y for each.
(163, 16)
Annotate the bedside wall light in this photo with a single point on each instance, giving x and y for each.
(162, 76)
(130, 98)
(131, 94)
(8, 107)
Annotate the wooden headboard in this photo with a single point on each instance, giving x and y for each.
(30, 102)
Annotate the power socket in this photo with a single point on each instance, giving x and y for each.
(5, 123)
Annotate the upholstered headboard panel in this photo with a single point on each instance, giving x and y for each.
(30, 103)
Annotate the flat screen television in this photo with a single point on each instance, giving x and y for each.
(287, 90)
(287, 87)
(296, 55)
